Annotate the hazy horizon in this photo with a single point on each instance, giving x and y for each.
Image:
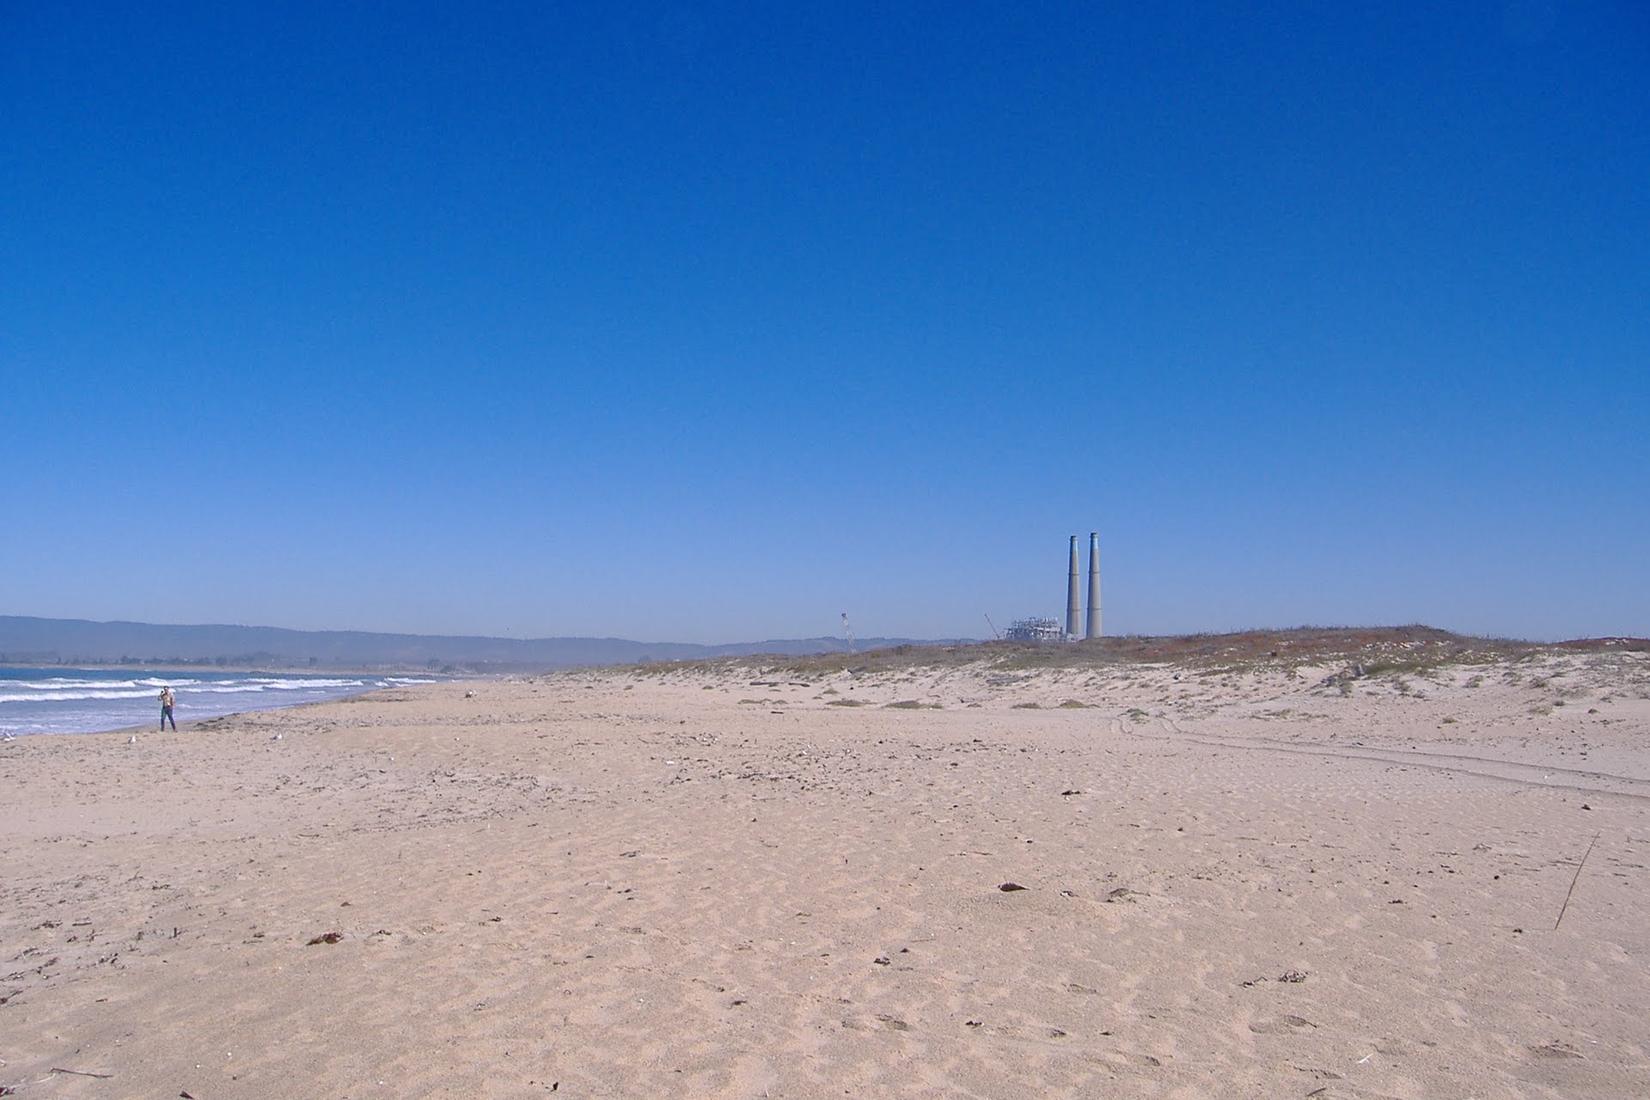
(437, 633)
(710, 324)
(859, 639)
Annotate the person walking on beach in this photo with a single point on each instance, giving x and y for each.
(167, 701)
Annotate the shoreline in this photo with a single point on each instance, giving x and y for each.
(202, 688)
(194, 723)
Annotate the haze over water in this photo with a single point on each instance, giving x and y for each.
(80, 700)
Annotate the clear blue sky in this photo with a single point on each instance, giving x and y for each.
(711, 322)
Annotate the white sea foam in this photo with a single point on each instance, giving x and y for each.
(35, 691)
(300, 685)
(71, 696)
(63, 683)
(66, 683)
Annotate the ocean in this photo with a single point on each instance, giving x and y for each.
(85, 700)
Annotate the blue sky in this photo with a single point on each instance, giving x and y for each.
(709, 322)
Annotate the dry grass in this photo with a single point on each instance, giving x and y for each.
(1401, 650)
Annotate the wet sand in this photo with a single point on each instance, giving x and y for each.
(725, 880)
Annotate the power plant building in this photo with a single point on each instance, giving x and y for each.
(1077, 625)
(1033, 630)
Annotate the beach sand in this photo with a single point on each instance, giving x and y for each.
(724, 880)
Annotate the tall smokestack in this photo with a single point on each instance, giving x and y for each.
(1071, 593)
(1094, 585)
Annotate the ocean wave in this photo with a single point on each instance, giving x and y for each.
(48, 691)
(69, 683)
(64, 684)
(105, 691)
(300, 685)
(71, 696)
(283, 683)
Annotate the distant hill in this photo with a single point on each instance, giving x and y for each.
(28, 640)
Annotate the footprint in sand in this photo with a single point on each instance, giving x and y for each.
(1274, 1025)
(1127, 1059)
(883, 1019)
(1037, 1032)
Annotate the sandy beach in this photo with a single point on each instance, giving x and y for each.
(1322, 875)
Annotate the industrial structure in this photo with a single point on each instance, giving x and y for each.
(1072, 603)
(1033, 630)
(1076, 627)
(1094, 585)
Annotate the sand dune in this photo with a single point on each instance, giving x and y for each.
(736, 879)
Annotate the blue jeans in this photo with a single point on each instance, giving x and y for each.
(166, 716)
